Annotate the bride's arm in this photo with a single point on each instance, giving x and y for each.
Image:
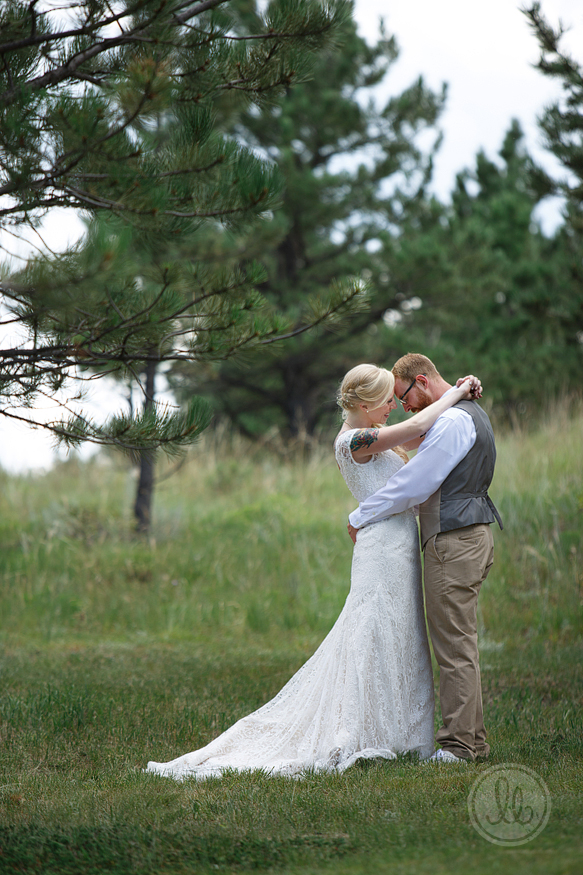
(367, 441)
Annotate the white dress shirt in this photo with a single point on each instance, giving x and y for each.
(446, 443)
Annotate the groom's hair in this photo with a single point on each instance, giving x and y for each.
(411, 365)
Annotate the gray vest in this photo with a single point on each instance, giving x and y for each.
(463, 498)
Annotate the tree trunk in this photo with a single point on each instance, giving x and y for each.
(143, 504)
(300, 402)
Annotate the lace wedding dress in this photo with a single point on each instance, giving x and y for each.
(368, 689)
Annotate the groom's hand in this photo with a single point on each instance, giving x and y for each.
(475, 388)
(352, 532)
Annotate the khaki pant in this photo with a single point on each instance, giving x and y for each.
(456, 564)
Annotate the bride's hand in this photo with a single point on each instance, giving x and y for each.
(473, 388)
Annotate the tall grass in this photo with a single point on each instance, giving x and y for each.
(117, 650)
(245, 543)
(242, 541)
(536, 587)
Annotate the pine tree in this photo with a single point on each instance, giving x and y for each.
(562, 125)
(351, 171)
(490, 286)
(497, 296)
(112, 109)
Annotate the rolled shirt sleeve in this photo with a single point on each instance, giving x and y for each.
(447, 442)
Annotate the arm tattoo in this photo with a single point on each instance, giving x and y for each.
(364, 437)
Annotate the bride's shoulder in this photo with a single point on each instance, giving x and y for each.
(342, 443)
(347, 442)
(343, 437)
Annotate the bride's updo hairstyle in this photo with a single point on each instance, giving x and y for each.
(365, 384)
(369, 385)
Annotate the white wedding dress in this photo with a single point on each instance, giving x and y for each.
(368, 690)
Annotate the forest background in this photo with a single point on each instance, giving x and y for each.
(423, 259)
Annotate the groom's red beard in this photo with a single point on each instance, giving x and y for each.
(423, 399)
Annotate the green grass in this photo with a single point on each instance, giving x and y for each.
(116, 651)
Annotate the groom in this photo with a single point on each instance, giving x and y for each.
(449, 478)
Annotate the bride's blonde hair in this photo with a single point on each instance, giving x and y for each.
(367, 384)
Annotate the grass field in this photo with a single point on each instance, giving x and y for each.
(116, 651)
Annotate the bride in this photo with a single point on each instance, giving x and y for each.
(368, 689)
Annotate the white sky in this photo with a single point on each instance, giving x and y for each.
(484, 52)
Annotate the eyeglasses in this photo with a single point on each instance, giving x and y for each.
(406, 392)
